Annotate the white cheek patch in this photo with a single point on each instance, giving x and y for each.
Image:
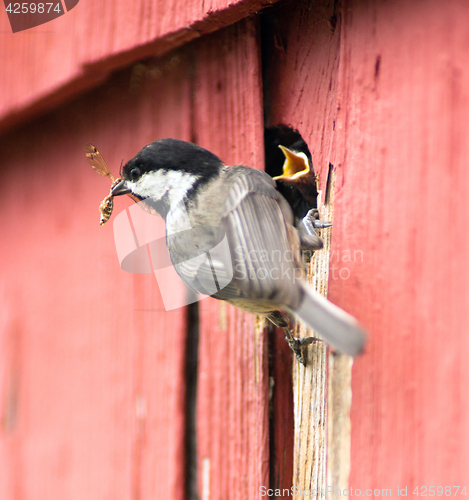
(156, 184)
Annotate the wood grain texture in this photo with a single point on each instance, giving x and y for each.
(92, 367)
(403, 183)
(384, 99)
(51, 63)
(314, 413)
(232, 419)
(301, 57)
(339, 374)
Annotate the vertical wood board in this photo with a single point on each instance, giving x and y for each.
(232, 418)
(91, 394)
(301, 57)
(404, 181)
(386, 109)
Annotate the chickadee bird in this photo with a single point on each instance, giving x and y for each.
(205, 202)
(297, 184)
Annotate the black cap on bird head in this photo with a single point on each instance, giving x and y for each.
(173, 154)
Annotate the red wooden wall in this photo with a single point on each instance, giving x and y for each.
(233, 446)
(90, 392)
(92, 399)
(385, 99)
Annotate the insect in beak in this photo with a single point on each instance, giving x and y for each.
(118, 185)
(96, 160)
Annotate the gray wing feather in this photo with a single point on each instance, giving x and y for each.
(257, 256)
(256, 220)
(204, 263)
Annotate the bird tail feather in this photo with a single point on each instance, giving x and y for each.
(336, 326)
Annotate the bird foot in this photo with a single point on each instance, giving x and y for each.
(296, 344)
(319, 224)
(307, 230)
(311, 221)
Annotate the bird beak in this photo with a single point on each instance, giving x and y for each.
(120, 188)
(295, 163)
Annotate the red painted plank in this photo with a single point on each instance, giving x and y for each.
(405, 122)
(301, 57)
(397, 90)
(233, 403)
(48, 64)
(91, 398)
(282, 418)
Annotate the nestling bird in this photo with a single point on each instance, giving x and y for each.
(297, 184)
(203, 201)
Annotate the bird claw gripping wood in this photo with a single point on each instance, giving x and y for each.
(296, 344)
